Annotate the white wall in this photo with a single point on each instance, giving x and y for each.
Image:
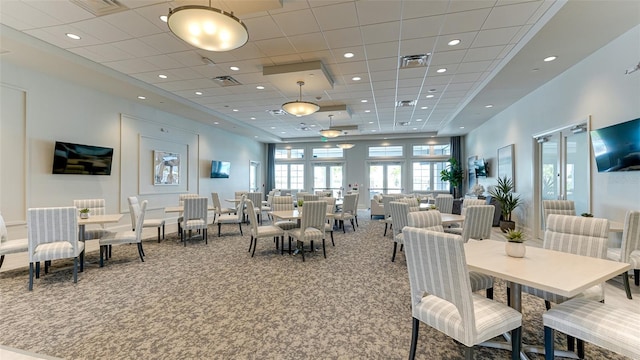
(59, 109)
(596, 86)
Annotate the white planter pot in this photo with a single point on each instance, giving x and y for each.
(515, 249)
(84, 215)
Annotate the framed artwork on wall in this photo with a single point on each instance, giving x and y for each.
(166, 168)
(471, 171)
(505, 163)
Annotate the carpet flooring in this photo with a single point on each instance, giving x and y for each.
(217, 302)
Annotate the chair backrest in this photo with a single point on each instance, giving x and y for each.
(4, 234)
(437, 266)
(134, 210)
(309, 197)
(324, 193)
(240, 207)
(195, 208)
(399, 216)
(577, 235)
(95, 206)
(331, 204)
(47, 225)
(630, 235)
(414, 203)
(253, 218)
(430, 220)
(386, 199)
(444, 203)
(314, 215)
(142, 210)
(349, 204)
(282, 203)
(216, 202)
(255, 197)
(238, 194)
(560, 207)
(181, 198)
(470, 202)
(478, 222)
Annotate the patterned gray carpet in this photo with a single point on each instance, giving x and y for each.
(216, 302)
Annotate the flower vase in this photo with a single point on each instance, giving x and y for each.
(515, 249)
(84, 215)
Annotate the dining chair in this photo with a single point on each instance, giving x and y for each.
(126, 237)
(96, 207)
(331, 210)
(266, 204)
(256, 198)
(414, 203)
(195, 217)
(478, 222)
(10, 246)
(399, 214)
(312, 226)
(260, 231)
(629, 251)
(388, 221)
(310, 197)
(456, 228)
(560, 207)
(441, 294)
(444, 203)
(238, 194)
(181, 199)
(236, 218)
(53, 234)
(134, 211)
(219, 210)
(348, 211)
(283, 203)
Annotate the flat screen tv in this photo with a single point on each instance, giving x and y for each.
(481, 168)
(69, 158)
(617, 147)
(220, 169)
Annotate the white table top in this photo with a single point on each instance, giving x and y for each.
(180, 209)
(290, 214)
(100, 219)
(558, 272)
(448, 219)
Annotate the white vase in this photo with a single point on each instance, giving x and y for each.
(514, 249)
(84, 215)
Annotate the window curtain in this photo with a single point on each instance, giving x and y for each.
(271, 167)
(456, 153)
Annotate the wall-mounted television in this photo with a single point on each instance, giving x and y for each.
(69, 158)
(220, 169)
(481, 168)
(617, 147)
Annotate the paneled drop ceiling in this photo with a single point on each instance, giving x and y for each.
(498, 60)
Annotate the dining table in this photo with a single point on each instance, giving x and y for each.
(96, 219)
(558, 272)
(180, 209)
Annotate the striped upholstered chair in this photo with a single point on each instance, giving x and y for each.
(559, 207)
(53, 234)
(444, 203)
(134, 211)
(441, 294)
(312, 226)
(478, 221)
(236, 218)
(629, 252)
(256, 198)
(456, 228)
(10, 246)
(399, 214)
(260, 231)
(126, 237)
(283, 203)
(388, 221)
(195, 217)
(181, 198)
(96, 207)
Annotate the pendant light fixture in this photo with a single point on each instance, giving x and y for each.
(345, 146)
(299, 107)
(207, 28)
(330, 133)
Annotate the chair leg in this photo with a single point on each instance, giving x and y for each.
(395, 246)
(344, 230)
(30, 276)
(625, 280)
(75, 270)
(580, 349)
(1, 260)
(82, 261)
(240, 226)
(414, 338)
(301, 249)
(206, 236)
(548, 343)
(219, 227)
(255, 244)
(332, 243)
(468, 353)
(163, 231)
(571, 343)
(490, 293)
(158, 234)
(250, 243)
(38, 270)
(102, 249)
(516, 341)
(324, 250)
(386, 225)
(140, 251)
(636, 276)
(547, 304)
(46, 266)
(353, 225)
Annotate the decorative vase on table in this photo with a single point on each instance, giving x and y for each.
(514, 246)
(84, 214)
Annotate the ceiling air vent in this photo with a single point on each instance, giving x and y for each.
(277, 112)
(405, 103)
(413, 61)
(101, 7)
(226, 81)
(402, 123)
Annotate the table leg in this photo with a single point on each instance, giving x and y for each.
(81, 238)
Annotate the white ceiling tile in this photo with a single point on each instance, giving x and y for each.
(136, 47)
(153, 12)
(131, 66)
(447, 57)
(308, 42)
(263, 27)
(102, 30)
(188, 58)
(383, 50)
(296, 22)
(24, 13)
(343, 37)
(474, 66)
(468, 77)
(248, 51)
(132, 23)
(510, 15)
(291, 58)
(166, 43)
(417, 46)
(105, 53)
(64, 11)
(494, 37)
(416, 9)
(380, 33)
(421, 27)
(56, 35)
(372, 12)
(336, 16)
(484, 53)
(465, 38)
(275, 47)
(465, 21)
(162, 62)
(544, 6)
(390, 63)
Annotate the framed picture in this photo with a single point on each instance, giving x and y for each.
(471, 171)
(505, 163)
(166, 168)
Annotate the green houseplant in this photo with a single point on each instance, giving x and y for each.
(503, 193)
(84, 213)
(515, 236)
(453, 174)
(514, 246)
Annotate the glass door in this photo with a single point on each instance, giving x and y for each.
(254, 176)
(328, 177)
(385, 178)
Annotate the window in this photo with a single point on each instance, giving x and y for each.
(290, 176)
(385, 151)
(328, 177)
(333, 152)
(385, 178)
(289, 153)
(431, 150)
(426, 176)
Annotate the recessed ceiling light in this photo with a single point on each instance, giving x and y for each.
(348, 55)
(273, 128)
(550, 58)
(255, 136)
(461, 127)
(162, 76)
(367, 111)
(283, 132)
(441, 70)
(234, 68)
(364, 100)
(418, 119)
(163, 18)
(415, 129)
(424, 107)
(73, 36)
(235, 110)
(252, 118)
(429, 96)
(356, 78)
(488, 106)
(370, 122)
(313, 125)
(454, 42)
(142, 97)
(260, 87)
(198, 92)
(215, 123)
(374, 130)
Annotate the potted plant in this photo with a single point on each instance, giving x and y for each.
(84, 213)
(503, 193)
(586, 214)
(453, 174)
(515, 246)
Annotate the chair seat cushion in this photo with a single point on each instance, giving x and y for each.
(342, 216)
(328, 227)
(268, 231)
(121, 237)
(492, 318)
(14, 246)
(153, 222)
(399, 238)
(265, 208)
(227, 219)
(55, 250)
(306, 234)
(634, 257)
(194, 224)
(453, 230)
(286, 224)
